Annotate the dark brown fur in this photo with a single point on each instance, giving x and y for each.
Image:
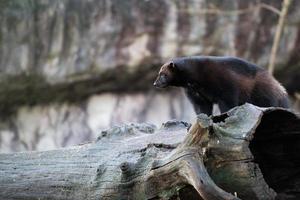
(226, 81)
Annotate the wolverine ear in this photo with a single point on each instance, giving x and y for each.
(172, 65)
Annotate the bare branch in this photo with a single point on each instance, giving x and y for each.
(269, 7)
(284, 10)
(217, 11)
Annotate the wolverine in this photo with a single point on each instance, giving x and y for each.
(226, 81)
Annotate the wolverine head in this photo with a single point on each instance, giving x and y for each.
(166, 76)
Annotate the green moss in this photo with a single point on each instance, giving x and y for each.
(172, 192)
(17, 7)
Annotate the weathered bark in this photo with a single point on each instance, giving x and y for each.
(247, 153)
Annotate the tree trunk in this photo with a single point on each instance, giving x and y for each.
(247, 153)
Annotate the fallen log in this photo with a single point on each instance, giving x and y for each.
(246, 153)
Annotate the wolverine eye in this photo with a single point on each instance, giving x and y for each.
(163, 76)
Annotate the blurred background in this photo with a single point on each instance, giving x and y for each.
(71, 68)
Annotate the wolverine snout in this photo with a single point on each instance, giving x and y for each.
(159, 84)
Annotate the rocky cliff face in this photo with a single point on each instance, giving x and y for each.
(55, 55)
(74, 39)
